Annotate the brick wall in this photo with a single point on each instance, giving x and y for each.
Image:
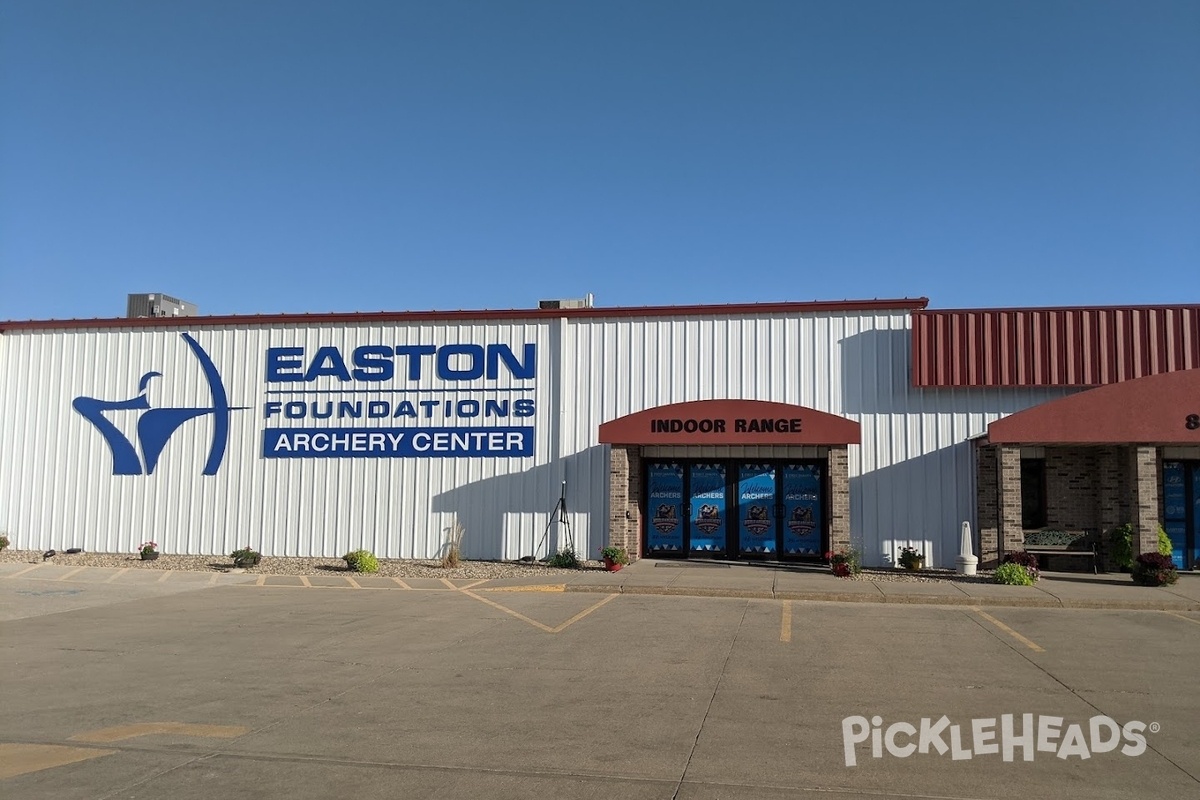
(1145, 474)
(987, 494)
(624, 499)
(839, 497)
(1012, 535)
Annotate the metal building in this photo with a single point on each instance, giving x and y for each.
(770, 431)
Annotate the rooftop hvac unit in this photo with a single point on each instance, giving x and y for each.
(581, 302)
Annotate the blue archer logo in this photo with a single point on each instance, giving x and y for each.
(156, 426)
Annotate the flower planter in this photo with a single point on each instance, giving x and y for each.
(150, 556)
(913, 566)
(612, 566)
(245, 563)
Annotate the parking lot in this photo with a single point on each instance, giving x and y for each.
(244, 689)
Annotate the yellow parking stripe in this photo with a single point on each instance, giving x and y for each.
(119, 733)
(1182, 617)
(18, 759)
(1031, 645)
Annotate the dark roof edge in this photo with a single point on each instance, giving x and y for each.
(1010, 309)
(910, 304)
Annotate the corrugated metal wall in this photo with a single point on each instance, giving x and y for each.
(911, 480)
(1075, 347)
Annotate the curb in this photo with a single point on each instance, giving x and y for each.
(925, 600)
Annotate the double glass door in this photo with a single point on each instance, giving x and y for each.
(735, 509)
(1181, 511)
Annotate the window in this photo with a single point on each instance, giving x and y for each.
(1033, 493)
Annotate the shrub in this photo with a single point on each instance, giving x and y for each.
(246, 555)
(1154, 569)
(453, 546)
(565, 558)
(1164, 542)
(844, 562)
(361, 561)
(1120, 541)
(1027, 560)
(3, 541)
(1012, 575)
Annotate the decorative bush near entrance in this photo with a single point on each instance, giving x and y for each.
(1027, 560)
(1154, 569)
(3, 542)
(361, 561)
(1012, 575)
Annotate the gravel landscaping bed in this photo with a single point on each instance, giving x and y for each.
(297, 566)
(920, 576)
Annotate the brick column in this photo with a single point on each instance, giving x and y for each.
(839, 497)
(1110, 465)
(1011, 534)
(624, 499)
(987, 500)
(1145, 482)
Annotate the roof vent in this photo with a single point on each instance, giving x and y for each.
(582, 302)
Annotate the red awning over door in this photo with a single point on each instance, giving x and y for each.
(1156, 409)
(731, 422)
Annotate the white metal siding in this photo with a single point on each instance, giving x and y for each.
(912, 479)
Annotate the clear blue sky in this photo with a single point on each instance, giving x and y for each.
(300, 156)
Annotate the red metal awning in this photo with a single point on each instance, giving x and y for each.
(726, 422)
(1156, 409)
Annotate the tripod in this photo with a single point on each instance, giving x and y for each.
(559, 515)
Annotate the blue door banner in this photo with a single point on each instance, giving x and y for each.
(802, 509)
(1195, 554)
(707, 523)
(664, 499)
(1175, 508)
(756, 508)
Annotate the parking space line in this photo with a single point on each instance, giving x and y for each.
(448, 583)
(120, 733)
(261, 580)
(473, 584)
(1182, 617)
(75, 571)
(20, 759)
(119, 573)
(402, 584)
(305, 581)
(30, 568)
(165, 575)
(353, 583)
(583, 614)
(508, 610)
(1030, 644)
(785, 625)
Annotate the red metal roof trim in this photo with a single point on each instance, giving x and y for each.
(731, 422)
(1157, 409)
(1052, 346)
(370, 318)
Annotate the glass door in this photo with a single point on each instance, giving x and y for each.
(707, 517)
(757, 528)
(664, 503)
(803, 528)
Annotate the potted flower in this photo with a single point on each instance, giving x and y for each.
(245, 557)
(148, 551)
(910, 558)
(844, 562)
(614, 558)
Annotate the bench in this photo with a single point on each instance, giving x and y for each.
(1055, 542)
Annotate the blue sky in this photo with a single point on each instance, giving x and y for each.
(298, 156)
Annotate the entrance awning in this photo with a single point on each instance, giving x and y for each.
(731, 422)
(1156, 409)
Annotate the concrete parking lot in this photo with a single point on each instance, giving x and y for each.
(220, 687)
